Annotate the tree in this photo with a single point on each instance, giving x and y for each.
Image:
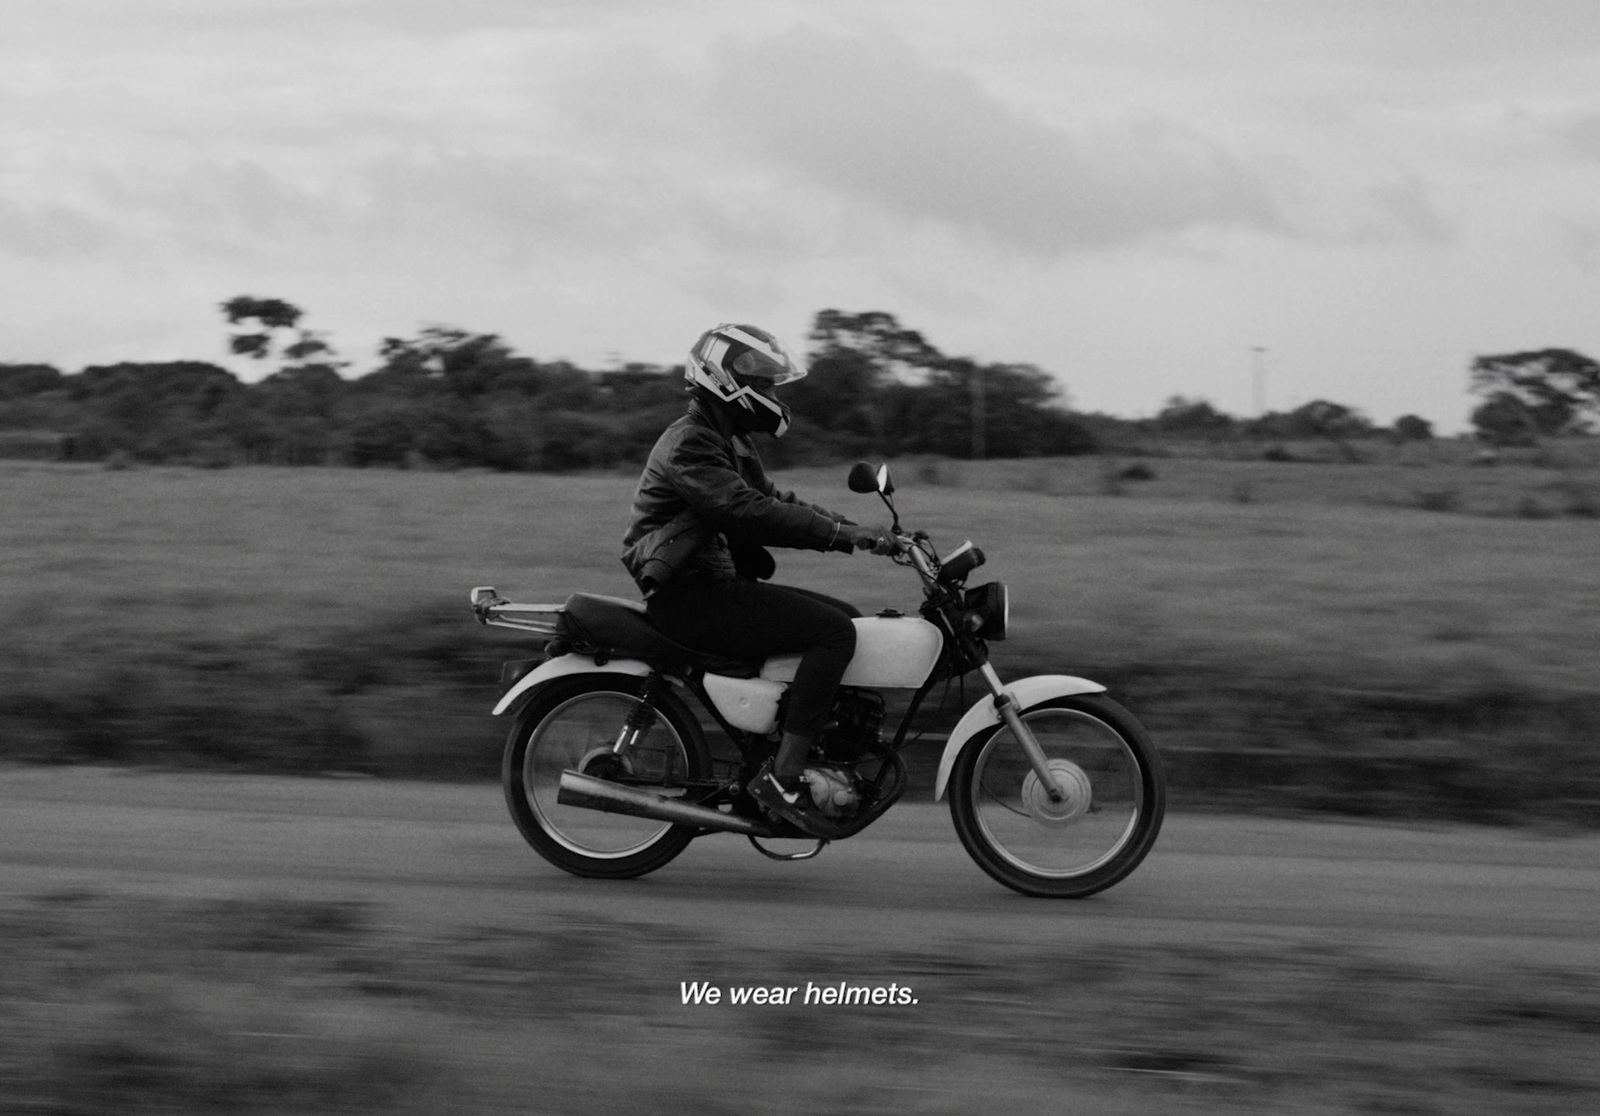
(454, 360)
(33, 396)
(1504, 420)
(877, 385)
(1413, 428)
(18, 380)
(310, 389)
(156, 412)
(1193, 417)
(646, 398)
(292, 415)
(271, 315)
(875, 335)
(841, 402)
(1334, 421)
(453, 398)
(995, 410)
(1558, 391)
(1318, 419)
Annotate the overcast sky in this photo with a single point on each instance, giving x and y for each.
(1131, 194)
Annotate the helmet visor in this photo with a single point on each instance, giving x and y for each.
(769, 361)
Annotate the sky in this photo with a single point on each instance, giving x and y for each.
(1146, 198)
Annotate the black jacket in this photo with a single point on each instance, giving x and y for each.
(704, 504)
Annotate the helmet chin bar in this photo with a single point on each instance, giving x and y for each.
(766, 415)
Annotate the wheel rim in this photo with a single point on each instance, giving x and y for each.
(1103, 802)
(575, 732)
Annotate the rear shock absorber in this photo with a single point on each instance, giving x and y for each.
(640, 719)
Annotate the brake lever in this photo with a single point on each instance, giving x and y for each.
(905, 544)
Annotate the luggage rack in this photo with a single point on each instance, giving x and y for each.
(493, 610)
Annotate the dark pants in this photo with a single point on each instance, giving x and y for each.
(753, 620)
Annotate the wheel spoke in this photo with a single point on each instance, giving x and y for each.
(994, 799)
(1095, 818)
(572, 733)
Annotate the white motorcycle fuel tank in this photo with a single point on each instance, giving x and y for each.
(892, 653)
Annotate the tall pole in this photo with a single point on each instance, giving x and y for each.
(980, 439)
(1258, 379)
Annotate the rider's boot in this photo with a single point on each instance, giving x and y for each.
(790, 761)
(780, 785)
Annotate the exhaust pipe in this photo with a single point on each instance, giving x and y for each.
(614, 798)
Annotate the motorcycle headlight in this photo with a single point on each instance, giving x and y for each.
(988, 609)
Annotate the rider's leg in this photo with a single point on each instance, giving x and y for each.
(845, 607)
(791, 758)
(752, 620)
(811, 694)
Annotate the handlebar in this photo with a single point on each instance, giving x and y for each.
(914, 550)
(905, 544)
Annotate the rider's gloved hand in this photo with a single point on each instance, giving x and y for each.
(876, 539)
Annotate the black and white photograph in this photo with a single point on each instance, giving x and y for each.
(799, 557)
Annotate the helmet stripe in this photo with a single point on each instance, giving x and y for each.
(760, 344)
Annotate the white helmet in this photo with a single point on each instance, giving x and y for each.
(740, 365)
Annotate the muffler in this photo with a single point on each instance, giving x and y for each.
(614, 798)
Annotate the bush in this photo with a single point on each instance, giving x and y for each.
(1439, 499)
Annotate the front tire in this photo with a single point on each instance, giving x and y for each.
(1100, 831)
(573, 724)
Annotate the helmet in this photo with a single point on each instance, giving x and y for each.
(739, 365)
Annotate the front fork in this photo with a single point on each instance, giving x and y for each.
(1006, 706)
(1004, 703)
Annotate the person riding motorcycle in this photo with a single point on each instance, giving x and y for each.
(703, 514)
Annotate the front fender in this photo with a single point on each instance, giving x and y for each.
(1026, 692)
(560, 667)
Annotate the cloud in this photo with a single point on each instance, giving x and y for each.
(1580, 243)
(1582, 136)
(49, 231)
(1425, 35)
(1404, 210)
(866, 117)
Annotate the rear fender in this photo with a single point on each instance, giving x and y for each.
(564, 666)
(1027, 692)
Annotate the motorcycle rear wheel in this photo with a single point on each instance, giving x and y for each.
(1107, 821)
(574, 724)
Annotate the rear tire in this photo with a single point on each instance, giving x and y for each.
(1104, 826)
(577, 720)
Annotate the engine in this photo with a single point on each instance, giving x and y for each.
(849, 740)
(852, 730)
(833, 789)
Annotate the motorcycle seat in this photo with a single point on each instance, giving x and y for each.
(617, 628)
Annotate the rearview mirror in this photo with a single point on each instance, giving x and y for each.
(863, 478)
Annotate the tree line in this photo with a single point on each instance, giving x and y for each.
(450, 398)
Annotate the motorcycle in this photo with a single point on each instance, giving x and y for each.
(1055, 790)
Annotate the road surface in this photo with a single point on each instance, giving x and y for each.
(443, 857)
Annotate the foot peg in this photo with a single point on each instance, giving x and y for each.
(822, 843)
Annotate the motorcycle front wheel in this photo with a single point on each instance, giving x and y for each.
(1105, 822)
(574, 725)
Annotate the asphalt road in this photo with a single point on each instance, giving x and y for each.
(446, 857)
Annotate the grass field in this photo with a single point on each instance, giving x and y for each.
(1298, 635)
(122, 1006)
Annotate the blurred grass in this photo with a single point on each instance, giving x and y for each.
(121, 1005)
(1327, 644)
